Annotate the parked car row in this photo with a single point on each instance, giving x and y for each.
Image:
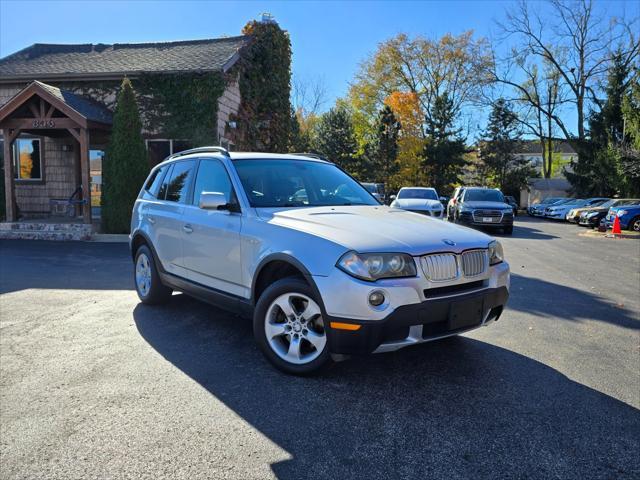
(470, 206)
(590, 212)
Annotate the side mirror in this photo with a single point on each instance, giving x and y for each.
(392, 198)
(213, 201)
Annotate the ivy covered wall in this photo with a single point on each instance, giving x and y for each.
(182, 106)
(263, 120)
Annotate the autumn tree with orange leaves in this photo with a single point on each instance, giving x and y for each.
(410, 75)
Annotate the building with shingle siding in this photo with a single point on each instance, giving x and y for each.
(56, 103)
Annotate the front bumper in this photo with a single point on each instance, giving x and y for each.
(466, 218)
(429, 213)
(416, 309)
(422, 322)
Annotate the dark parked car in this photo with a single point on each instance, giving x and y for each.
(483, 207)
(593, 216)
(512, 201)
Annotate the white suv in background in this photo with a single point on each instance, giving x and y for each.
(422, 200)
(323, 269)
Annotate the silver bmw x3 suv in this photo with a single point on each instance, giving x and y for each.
(323, 269)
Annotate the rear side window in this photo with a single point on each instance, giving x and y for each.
(179, 179)
(153, 184)
(212, 178)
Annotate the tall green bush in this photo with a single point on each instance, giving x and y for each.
(126, 165)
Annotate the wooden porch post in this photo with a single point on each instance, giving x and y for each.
(9, 193)
(86, 172)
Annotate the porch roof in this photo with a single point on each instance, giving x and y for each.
(77, 107)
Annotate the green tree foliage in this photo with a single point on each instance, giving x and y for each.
(498, 146)
(600, 170)
(264, 117)
(380, 163)
(126, 165)
(630, 150)
(335, 138)
(300, 139)
(444, 151)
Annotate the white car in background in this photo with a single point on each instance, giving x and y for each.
(419, 200)
(559, 211)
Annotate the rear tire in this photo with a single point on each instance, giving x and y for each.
(289, 328)
(149, 287)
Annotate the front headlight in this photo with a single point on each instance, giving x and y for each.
(496, 255)
(622, 212)
(374, 266)
(592, 214)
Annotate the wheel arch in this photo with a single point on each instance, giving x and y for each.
(276, 266)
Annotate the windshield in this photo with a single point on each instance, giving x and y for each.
(299, 183)
(483, 196)
(552, 200)
(371, 187)
(620, 203)
(421, 193)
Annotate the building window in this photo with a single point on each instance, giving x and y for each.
(27, 159)
(161, 149)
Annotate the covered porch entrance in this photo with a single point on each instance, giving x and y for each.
(47, 137)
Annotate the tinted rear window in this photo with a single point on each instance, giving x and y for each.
(153, 184)
(177, 185)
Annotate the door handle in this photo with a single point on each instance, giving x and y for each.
(151, 219)
(187, 228)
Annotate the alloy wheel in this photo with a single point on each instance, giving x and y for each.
(143, 274)
(294, 328)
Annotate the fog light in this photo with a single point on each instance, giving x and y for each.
(376, 298)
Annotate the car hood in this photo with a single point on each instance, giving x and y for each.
(488, 205)
(416, 203)
(377, 229)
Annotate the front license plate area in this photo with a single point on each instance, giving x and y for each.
(487, 219)
(465, 313)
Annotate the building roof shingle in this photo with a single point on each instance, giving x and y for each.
(533, 147)
(89, 109)
(49, 61)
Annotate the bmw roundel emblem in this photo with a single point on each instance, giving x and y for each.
(451, 243)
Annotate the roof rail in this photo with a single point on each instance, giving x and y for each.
(221, 150)
(311, 155)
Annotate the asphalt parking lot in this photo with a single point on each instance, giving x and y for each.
(95, 385)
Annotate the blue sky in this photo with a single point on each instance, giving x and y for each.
(329, 39)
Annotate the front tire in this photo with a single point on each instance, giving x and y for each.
(149, 287)
(289, 328)
(634, 224)
(508, 230)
